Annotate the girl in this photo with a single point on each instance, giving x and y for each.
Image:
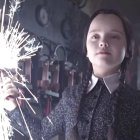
(104, 107)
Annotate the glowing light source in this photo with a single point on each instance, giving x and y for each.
(15, 46)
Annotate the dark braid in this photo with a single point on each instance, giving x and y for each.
(117, 95)
(85, 83)
(123, 70)
(87, 77)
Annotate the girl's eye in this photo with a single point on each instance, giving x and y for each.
(117, 37)
(94, 37)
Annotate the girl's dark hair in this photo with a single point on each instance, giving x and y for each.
(128, 33)
(130, 44)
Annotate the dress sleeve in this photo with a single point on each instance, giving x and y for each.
(136, 128)
(46, 128)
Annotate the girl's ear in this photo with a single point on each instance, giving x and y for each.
(127, 55)
(87, 55)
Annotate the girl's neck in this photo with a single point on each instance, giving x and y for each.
(101, 72)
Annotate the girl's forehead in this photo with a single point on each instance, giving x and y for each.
(106, 21)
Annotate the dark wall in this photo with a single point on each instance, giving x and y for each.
(65, 21)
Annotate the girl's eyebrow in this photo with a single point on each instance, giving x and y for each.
(94, 30)
(116, 31)
(113, 30)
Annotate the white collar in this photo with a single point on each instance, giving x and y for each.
(111, 82)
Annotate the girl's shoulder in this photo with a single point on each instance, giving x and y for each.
(130, 94)
(131, 90)
(72, 90)
(72, 93)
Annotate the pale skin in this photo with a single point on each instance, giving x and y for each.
(106, 44)
(106, 49)
(9, 93)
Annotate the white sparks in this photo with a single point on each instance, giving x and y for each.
(6, 130)
(15, 46)
(24, 119)
(49, 120)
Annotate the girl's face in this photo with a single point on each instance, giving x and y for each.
(106, 43)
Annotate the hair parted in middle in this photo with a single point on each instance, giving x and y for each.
(128, 35)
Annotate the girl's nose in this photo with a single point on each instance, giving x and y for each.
(103, 44)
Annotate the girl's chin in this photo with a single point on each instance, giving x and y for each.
(102, 64)
(105, 66)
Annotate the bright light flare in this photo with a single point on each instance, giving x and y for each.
(15, 46)
(7, 58)
(6, 130)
